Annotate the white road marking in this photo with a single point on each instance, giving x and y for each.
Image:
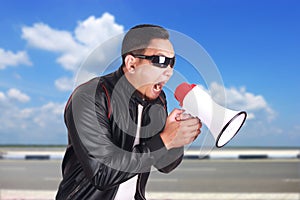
(222, 196)
(292, 180)
(12, 169)
(200, 169)
(52, 179)
(163, 180)
(50, 194)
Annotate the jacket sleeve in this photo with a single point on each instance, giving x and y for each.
(171, 158)
(104, 163)
(170, 161)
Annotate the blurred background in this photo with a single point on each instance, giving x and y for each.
(254, 44)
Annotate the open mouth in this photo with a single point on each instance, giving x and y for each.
(158, 86)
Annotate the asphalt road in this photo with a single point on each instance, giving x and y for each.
(216, 176)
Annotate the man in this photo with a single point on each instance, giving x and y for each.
(118, 127)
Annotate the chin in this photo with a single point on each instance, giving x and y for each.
(153, 92)
(153, 96)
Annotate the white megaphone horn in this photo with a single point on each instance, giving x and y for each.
(223, 123)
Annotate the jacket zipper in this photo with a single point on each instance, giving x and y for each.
(75, 190)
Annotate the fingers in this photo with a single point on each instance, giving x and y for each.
(191, 122)
(198, 131)
(183, 116)
(192, 136)
(191, 129)
(181, 129)
(175, 113)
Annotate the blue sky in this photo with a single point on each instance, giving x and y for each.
(254, 44)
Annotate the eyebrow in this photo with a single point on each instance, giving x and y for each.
(161, 54)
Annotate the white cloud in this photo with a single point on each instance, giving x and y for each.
(42, 36)
(44, 124)
(30, 125)
(16, 94)
(17, 76)
(74, 47)
(2, 96)
(8, 58)
(240, 99)
(263, 125)
(50, 111)
(94, 31)
(67, 84)
(64, 83)
(13, 94)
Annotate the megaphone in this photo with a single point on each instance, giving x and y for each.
(223, 123)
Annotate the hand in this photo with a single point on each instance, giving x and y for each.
(183, 116)
(180, 129)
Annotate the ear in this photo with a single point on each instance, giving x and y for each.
(130, 63)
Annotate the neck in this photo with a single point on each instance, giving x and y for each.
(132, 81)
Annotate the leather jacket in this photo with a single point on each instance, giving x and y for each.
(101, 118)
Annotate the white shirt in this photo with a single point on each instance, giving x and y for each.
(127, 189)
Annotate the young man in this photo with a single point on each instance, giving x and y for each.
(118, 127)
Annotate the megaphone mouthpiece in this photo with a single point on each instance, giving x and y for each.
(182, 90)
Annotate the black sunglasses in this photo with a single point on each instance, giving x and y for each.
(158, 61)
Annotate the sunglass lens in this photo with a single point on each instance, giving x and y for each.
(172, 62)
